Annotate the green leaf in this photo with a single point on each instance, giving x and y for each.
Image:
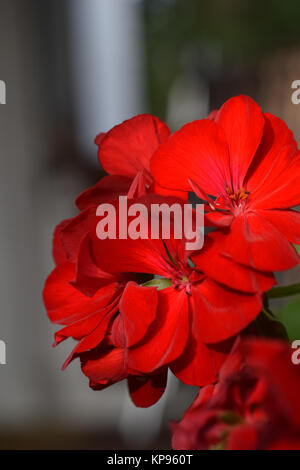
(297, 248)
(289, 315)
(269, 326)
(160, 283)
(283, 291)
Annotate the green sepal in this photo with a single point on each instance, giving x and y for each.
(160, 283)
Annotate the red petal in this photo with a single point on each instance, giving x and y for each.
(146, 391)
(285, 444)
(87, 318)
(243, 437)
(99, 138)
(65, 304)
(243, 123)
(282, 192)
(234, 362)
(157, 189)
(255, 242)
(58, 251)
(94, 338)
(226, 271)
(109, 188)
(195, 418)
(137, 312)
(77, 330)
(73, 232)
(198, 151)
(199, 364)
(222, 312)
(128, 147)
(167, 337)
(141, 255)
(218, 219)
(273, 360)
(272, 157)
(89, 277)
(104, 367)
(274, 174)
(286, 221)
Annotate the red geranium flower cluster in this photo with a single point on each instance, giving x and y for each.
(255, 405)
(140, 307)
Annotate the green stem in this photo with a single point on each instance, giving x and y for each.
(284, 291)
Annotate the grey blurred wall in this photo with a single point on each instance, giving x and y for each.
(34, 198)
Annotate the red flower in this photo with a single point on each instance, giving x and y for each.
(187, 318)
(121, 323)
(86, 318)
(86, 302)
(124, 153)
(105, 366)
(90, 319)
(128, 147)
(126, 328)
(254, 406)
(246, 166)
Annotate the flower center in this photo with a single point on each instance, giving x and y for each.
(185, 281)
(182, 282)
(237, 199)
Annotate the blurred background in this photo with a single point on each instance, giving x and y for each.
(73, 68)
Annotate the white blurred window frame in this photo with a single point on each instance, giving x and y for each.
(107, 65)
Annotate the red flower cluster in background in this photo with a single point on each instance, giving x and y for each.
(138, 308)
(254, 406)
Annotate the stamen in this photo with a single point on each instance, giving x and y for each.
(238, 196)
